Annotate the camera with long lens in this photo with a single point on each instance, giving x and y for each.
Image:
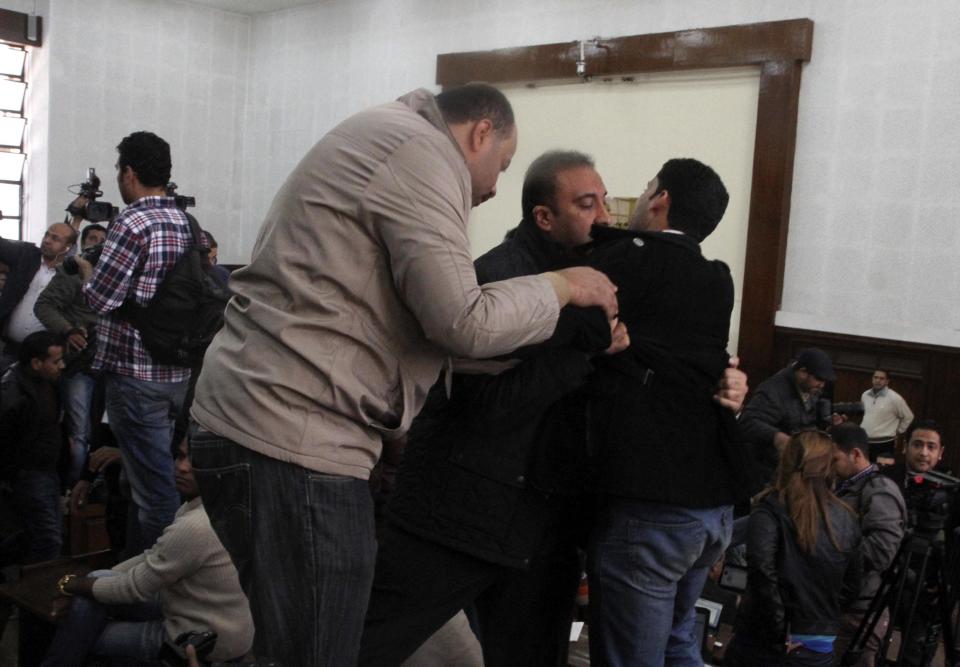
(183, 201)
(94, 211)
(91, 254)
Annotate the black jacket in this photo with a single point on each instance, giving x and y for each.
(776, 406)
(657, 432)
(24, 262)
(465, 479)
(30, 432)
(790, 590)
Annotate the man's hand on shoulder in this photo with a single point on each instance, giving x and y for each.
(732, 388)
(587, 287)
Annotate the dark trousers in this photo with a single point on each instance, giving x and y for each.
(303, 544)
(36, 495)
(523, 615)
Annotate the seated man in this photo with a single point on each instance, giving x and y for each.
(31, 436)
(183, 583)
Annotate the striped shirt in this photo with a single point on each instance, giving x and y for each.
(143, 244)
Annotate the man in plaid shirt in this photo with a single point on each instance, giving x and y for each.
(143, 397)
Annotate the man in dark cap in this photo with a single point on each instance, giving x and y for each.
(784, 404)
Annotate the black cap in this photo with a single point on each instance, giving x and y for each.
(849, 436)
(816, 361)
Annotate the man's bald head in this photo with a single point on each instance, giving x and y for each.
(59, 238)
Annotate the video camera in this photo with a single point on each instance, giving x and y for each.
(91, 254)
(183, 201)
(929, 498)
(94, 211)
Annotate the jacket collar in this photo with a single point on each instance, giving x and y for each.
(424, 103)
(603, 234)
(546, 253)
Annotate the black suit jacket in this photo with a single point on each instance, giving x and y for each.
(658, 434)
(24, 262)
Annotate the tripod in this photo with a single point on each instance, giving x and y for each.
(914, 584)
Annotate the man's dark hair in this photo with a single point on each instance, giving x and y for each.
(476, 101)
(212, 242)
(849, 436)
(540, 181)
(90, 228)
(698, 198)
(149, 157)
(882, 370)
(37, 346)
(924, 425)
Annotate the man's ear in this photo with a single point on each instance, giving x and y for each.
(660, 203)
(480, 134)
(543, 217)
(35, 364)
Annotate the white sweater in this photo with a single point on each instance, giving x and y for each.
(197, 582)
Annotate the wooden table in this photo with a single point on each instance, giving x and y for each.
(35, 593)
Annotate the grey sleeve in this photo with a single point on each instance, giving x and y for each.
(53, 302)
(882, 524)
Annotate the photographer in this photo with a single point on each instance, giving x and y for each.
(62, 309)
(143, 396)
(933, 519)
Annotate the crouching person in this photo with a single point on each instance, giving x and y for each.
(185, 582)
(802, 559)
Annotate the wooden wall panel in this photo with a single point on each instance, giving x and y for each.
(13, 28)
(927, 376)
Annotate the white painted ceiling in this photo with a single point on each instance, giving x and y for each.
(251, 6)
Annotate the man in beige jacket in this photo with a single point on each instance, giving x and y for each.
(360, 287)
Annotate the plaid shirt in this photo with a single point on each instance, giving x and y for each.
(143, 244)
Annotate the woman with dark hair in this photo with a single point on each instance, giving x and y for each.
(801, 562)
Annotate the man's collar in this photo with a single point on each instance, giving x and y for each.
(605, 234)
(851, 481)
(878, 392)
(154, 201)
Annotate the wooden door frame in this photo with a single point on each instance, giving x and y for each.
(778, 48)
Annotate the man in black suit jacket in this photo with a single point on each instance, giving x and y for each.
(669, 467)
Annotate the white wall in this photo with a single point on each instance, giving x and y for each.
(117, 66)
(873, 235)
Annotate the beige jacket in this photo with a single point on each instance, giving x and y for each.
(360, 286)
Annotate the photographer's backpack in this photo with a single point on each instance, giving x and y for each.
(181, 319)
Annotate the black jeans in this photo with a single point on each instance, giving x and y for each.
(303, 544)
(524, 615)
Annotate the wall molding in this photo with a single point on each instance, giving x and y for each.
(778, 48)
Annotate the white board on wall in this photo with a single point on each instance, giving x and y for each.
(631, 128)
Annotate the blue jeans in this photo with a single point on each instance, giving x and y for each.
(77, 398)
(647, 564)
(142, 416)
(36, 494)
(303, 544)
(134, 632)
